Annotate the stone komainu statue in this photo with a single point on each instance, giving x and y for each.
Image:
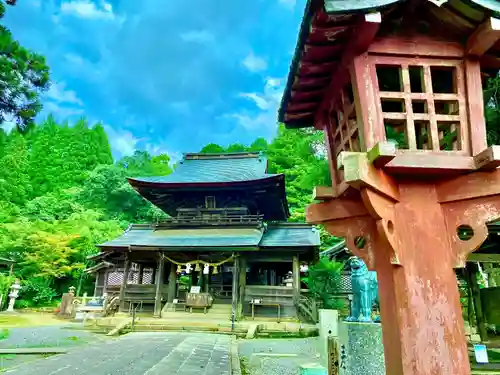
(365, 291)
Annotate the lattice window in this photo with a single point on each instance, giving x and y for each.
(346, 133)
(422, 103)
(345, 284)
(116, 277)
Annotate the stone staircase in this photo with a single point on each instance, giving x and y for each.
(215, 312)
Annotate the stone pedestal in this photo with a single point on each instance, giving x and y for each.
(328, 327)
(361, 349)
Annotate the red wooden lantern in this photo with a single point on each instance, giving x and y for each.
(397, 88)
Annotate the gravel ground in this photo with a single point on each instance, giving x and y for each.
(25, 337)
(277, 356)
(45, 336)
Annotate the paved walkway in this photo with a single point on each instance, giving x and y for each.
(277, 356)
(140, 354)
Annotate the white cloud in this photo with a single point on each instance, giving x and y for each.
(198, 36)
(122, 142)
(254, 63)
(157, 149)
(62, 102)
(266, 101)
(270, 98)
(60, 111)
(88, 9)
(60, 94)
(288, 3)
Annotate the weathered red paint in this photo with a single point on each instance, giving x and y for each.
(414, 247)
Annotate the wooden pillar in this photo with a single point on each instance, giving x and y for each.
(472, 270)
(141, 274)
(97, 276)
(126, 272)
(159, 285)
(235, 287)
(105, 283)
(153, 275)
(242, 284)
(172, 280)
(296, 278)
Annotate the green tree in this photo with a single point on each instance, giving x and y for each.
(236, 147)
(212, 148)
(107, 189)
(61, 156)
(24, 75)
(260, 144)
(14, 178)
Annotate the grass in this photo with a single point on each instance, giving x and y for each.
(27, 320)
(4, 333)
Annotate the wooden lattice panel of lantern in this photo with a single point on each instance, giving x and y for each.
(422, 104)
(346, 131)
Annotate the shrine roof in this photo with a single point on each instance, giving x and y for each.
(202, 169)
(140, 236)
(328, 26)
(238, 178)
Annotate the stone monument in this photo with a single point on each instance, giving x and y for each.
(361, 349)
(66, 309)
(14, 293)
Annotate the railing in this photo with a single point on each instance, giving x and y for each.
(308, 308)
(212, 220)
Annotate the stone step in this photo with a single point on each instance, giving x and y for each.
(187, 315)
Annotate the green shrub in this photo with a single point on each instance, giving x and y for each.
(38, 291)
(24, 304)
(323, 281)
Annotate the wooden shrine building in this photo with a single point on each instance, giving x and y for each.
(226, 233)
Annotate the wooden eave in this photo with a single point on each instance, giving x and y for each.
(275, 184)
(325, 38)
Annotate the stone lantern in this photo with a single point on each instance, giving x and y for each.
(14, 293)
(397, 88)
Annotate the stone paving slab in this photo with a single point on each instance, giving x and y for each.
(277, 356)
(140, 354)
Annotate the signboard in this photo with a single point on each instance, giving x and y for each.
(480, 353)
(195, 289)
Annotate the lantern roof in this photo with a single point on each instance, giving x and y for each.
(329, 27)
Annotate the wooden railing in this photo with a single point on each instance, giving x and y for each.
(307, 307)
(210, 220)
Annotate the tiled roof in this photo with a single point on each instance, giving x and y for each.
(290, 235)
(214, 168)
(285, 235)
(148, 236)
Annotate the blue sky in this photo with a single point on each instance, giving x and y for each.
(164, 75)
